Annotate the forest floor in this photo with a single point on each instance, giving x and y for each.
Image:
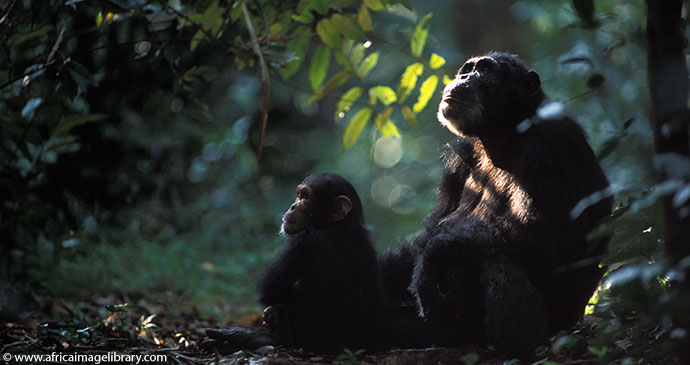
(104, 325)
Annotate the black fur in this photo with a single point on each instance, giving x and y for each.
(324, 289)
(500, 260)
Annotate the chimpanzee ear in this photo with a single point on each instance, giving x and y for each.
(343, 205)
(535, 81)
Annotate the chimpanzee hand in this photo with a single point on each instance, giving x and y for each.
(445, 280)
(227, 341)
(428, 284)
(273, 317)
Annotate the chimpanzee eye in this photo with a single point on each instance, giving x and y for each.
(485, 65)
(466, 68)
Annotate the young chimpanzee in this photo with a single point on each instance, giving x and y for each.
(501, 259)
(322, 292)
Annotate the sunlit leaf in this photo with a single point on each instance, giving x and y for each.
(319, 66)
(436, 61)
(328, 33)
(389, 129)
(355, 127)
(408, 80)
(382, 93)
(356, 53)
(347, 26)
(364, 19)
(75, 120)
(426, 91)
(335, 81)
(419, 37)
(382, 118)
(385, 125)
(374, 5)
(409, 115)
(446, 79)
(367, 64)
(346, 102)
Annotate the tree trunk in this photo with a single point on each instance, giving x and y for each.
(668, 84)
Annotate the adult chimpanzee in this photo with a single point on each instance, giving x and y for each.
(500, 259)
(323, 291)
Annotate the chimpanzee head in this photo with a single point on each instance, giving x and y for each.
(491, 93)
(323, 201)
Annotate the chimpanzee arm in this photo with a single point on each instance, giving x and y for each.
(279, 276)
(396, 264)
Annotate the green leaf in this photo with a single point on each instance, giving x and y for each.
(409, 115)
(328, 33)
(367, 64)
(197, 73)
(356, 53)
(436, 61)
(364, 19)
(446, 79)
(470, 359)
(355, 127)
(321, 6)
(319, 66)
(196, 38)
(408, 81)
(75, 120)
(419, 37)
(383, 93)
(346, 102)
(305, 18)
(347, 26)
(21, 38)
(374, 5)
(335, 81)
(298, 46)
(426, 91)
(278, 54)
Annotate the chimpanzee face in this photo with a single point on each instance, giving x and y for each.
(318, 205)
(489, 92)
(462, 108)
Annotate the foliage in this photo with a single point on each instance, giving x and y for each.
(128, 142)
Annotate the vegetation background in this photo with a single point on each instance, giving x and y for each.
(136, 165)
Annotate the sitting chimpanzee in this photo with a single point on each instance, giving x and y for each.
(323, 292)
(500, 259)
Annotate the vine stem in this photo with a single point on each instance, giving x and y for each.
(264, 75)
